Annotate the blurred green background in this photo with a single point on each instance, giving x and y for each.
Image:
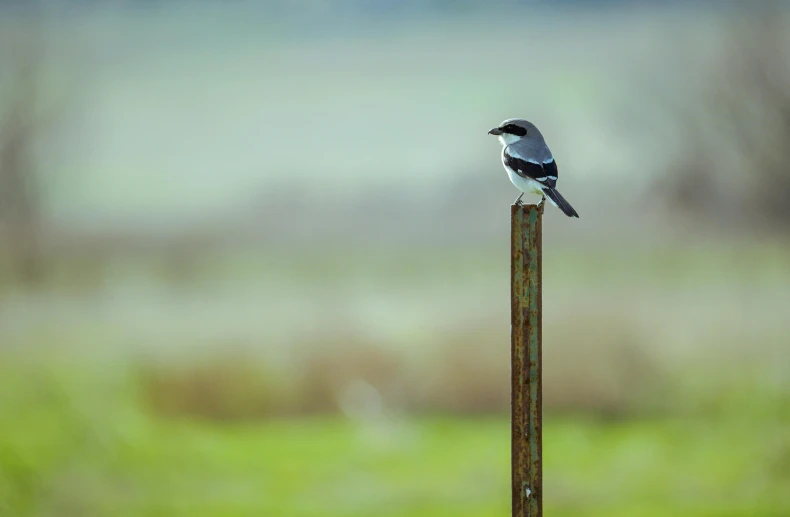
(254, 257)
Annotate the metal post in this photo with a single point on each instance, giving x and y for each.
(526, 406)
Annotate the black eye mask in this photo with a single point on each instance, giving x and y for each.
(515, 130)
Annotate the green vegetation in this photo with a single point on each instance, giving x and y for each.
(666, 396)
(81, 439)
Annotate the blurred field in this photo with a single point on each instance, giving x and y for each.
(78, 439)
(69, 450)
(218, 299)
(646, 417)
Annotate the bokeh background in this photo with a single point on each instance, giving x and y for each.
(254, 257)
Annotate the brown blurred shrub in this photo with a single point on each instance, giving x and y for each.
(237, 384)
(602, 367)
(328, 369)
(599, 366)
(229, 386)
(467, 372)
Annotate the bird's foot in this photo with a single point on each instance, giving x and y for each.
(518, 201)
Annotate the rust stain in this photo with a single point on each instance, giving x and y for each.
(526, 360)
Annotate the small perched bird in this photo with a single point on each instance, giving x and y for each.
(529, 162)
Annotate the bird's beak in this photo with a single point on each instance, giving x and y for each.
(496, 131)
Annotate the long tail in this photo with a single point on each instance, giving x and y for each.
(557, 200)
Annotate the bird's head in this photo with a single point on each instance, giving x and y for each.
(514, 129)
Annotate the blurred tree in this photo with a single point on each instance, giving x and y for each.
(734, 148)
(20, 214)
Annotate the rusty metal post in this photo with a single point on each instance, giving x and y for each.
(526, 406)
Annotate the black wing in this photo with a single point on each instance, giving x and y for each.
(545, 174)
(551, 173)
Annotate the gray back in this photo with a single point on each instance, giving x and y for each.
(531, 148)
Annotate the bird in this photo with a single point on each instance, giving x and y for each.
(529, 162)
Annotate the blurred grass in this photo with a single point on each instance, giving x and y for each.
(86, 436)
(80, 442)
(665, 388)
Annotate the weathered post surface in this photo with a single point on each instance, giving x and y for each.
(525, 349)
